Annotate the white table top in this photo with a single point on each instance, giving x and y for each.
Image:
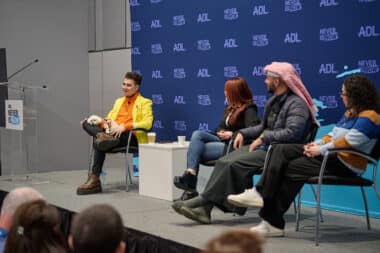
(171, 145)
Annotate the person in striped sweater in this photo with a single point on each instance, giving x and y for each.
(359, 128)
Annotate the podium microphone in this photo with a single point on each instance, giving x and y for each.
(21, 69)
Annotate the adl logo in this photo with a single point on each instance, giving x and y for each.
(203, 18)
(155, 24)
(204, 100)
(292, 38)
(134, 3)
(230, 43)
(178, 47)
(157, 99)
(156, 48)
(259, 40)
(179, 20)
(298, 68)
(135, 26)
(230, 71)
(180, 125)
(260, 100)
(204, 127)
(203, 72)
(156, 74)
(179, 73)
(328, 34)
(231, 14)
(204, 45)
(329, 102)
(328, 3)
(158, 124)
(327, 68)
(259, 10)
(258, 71)
(368, 66)
(293, 5)
(179, 100)
(135, 51)
(367, 31)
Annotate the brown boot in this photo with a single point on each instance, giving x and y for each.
(105, 142)
(92, 186)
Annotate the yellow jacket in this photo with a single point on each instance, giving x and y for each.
(142, 115)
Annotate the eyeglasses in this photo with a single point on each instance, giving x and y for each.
(342, 94)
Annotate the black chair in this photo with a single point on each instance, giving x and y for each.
(336, 180)
(309, 138)
(128, 152)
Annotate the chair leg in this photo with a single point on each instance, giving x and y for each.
(90, 160)
(127, 172)
(315, 196)
(366, 207)
(318, 215)
(298, 210)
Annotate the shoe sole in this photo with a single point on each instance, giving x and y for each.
(234, 202)
(89, 191)
(190, 215)
(269, 234)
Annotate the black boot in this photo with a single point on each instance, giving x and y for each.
(187, 182)
(186, 195)
(200, 214)
(194, 202)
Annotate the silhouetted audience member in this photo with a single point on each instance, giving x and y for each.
(36, 229)
(97, 229)
(11, 202)
(238, 241)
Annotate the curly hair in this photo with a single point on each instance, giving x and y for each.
(361, 93)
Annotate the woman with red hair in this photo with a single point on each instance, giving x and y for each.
(240, 113)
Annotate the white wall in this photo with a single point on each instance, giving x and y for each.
(55, 32)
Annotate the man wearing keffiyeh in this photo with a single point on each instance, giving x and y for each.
(287, 119)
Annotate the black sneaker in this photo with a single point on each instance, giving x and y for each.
(187, 182)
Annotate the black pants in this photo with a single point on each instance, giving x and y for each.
(233, 174)
(100, 156)
(283, 179)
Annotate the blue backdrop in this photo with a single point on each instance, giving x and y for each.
(186, 50)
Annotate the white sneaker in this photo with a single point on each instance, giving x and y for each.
(267, 230)
(249, 198)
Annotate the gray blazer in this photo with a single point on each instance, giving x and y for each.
(291, 126)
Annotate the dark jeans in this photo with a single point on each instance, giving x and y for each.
(281, 181)
(100, 156)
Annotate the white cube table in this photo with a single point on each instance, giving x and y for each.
(159, 163)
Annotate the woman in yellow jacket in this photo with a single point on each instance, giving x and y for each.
(129, 112)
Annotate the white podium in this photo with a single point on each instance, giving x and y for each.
(159, 163)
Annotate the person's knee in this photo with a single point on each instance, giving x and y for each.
(196, 135)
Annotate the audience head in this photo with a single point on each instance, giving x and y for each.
(97, 229)
(359, 93)
(13, 200)
(238, 241)
(36, 229)
(136, 77)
